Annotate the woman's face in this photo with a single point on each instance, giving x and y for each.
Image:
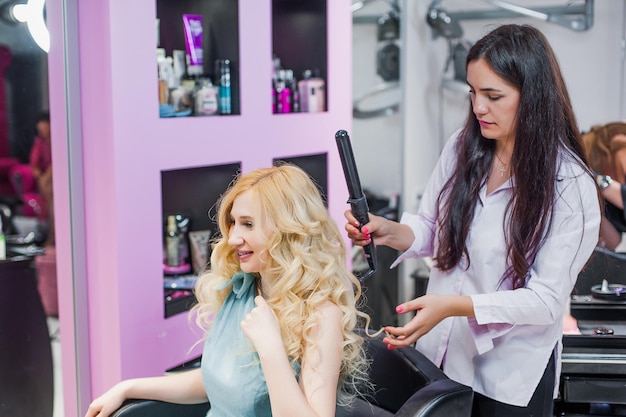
(248, 235)
(494, 101)
(43, 129)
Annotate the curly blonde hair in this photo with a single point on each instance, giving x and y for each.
(306, 265)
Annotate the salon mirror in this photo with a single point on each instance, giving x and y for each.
(24, 95)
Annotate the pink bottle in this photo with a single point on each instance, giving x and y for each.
(312, 91)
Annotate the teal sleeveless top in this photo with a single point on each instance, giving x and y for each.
(231, 369)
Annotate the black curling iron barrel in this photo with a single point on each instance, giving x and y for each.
(357, 200)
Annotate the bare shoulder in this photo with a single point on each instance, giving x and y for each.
(329, 311)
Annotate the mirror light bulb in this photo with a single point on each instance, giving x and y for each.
(32, 14)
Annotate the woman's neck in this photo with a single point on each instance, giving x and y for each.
(262, 287)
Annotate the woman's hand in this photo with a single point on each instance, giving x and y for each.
(107, 403)
(261, 327)
(384, 231)
(363, 236)
(430, 310)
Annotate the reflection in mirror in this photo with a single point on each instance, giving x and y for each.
(25, 187)
(381, 96)
(376, 84)
(377, 134)
(33, 14)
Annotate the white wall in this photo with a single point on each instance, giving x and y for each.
(592, 63)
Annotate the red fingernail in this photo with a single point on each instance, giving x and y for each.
(389, 347)
(399, 309)
(364, 230)
(367, 236)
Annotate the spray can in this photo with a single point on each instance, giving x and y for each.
(223, 75)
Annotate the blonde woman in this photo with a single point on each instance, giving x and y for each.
(279, 308)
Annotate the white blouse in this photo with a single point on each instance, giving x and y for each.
(502, 352)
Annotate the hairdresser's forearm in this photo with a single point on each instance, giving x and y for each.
(396, 235)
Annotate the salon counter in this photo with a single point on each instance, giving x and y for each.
(594, 362)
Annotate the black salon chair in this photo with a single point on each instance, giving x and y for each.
(406, 384)
(148, 408)
(604, 264)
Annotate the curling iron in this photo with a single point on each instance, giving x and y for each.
(357, 200)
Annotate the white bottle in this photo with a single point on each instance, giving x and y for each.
(206, 98)
(3, 243)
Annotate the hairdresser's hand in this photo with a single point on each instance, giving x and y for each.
(107, 403)
(362, 237)
(384, 231)
(261, 327)
(430, 311)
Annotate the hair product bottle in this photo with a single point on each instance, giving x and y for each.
(205, 97)
(222, 73)
(312, 90)
(3, 242)
(275, 69)
(172, 236)
(284, 93)
(193, 44)
(295, 94)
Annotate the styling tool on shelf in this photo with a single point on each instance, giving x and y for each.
(606, 291)
(357, 200)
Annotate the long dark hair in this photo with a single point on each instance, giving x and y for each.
(545, 124)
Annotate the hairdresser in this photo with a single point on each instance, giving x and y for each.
(510, 215)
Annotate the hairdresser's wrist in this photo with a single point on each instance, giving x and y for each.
(396, 235)
(461, 306)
